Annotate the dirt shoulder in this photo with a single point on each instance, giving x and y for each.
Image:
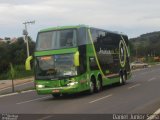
(8, 83)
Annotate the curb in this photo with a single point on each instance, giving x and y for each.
(9, 86)
(16, 93)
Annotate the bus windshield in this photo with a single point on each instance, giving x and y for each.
(56, 39)
(55, 67)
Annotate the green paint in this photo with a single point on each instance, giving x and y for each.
(62, 28)
(122, 63)
(76, 59)
(126, 52)
(28, 63)
(90, 36)
(52, 52)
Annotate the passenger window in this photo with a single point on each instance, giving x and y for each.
(94, 35)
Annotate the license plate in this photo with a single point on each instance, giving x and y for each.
(56, 91)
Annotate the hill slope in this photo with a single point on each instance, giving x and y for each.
(146, 45)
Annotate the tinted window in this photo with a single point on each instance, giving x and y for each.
(46, 40)
(56, 39)
(107, 48)
(82, 36)
(95, 35)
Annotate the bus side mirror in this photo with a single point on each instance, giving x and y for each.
(76, 59)
(28, 63)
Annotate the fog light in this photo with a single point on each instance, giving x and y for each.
(72, 83)
(40, 86)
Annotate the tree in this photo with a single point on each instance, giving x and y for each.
(14, 53)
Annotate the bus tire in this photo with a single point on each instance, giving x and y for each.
(122, 79)
(56, 95)
(99, 83)
(92, 85)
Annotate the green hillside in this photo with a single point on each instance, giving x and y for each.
(146, 45)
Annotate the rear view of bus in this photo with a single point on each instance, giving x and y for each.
(67, 61)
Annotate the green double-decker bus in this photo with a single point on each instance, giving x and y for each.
(72, 59)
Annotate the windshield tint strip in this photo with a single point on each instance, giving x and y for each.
(52, 52)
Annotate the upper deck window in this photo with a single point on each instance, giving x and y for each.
(56, 39)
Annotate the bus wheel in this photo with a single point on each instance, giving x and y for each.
(122, 79)
(91, 87)
(99, 85)
(56, 95)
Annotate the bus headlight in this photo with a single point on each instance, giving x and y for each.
(72, 83)
(40, 86)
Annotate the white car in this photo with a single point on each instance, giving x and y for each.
(138, 64)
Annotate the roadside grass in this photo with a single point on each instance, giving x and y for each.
(20, 72)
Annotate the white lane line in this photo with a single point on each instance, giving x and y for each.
(136, 85)
(28, 91)
(100, 98)
(154, 115)
(24, 83)
(8, 95)
(44, 118)
(33, 100)
(15, 86)
(151, 79)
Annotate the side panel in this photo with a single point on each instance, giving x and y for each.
(110, 56)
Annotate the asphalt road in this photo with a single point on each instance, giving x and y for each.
(141, 94)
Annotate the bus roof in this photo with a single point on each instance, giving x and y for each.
(77, 26)
(62, 27)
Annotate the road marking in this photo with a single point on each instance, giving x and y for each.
(33, 100)
(44, 118)
(151, 79)
(8, 95)
(15, 86)
(154, 115)
(28, 91)
(134, 86)
(24, 83)
(100, 98)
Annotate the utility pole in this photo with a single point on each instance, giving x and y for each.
(25, 33)
(12, 72)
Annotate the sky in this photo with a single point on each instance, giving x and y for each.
(131, 17)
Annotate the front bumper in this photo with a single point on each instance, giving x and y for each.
(58, 90)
